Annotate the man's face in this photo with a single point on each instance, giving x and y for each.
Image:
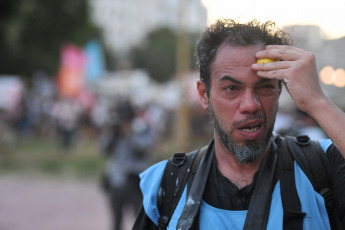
(241, 104)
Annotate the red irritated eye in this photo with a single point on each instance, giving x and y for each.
(266, 90)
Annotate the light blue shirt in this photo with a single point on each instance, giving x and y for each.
(312, 203)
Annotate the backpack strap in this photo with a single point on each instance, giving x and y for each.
(195, 166)
(194, 197)
(176, 173)
(313, 161)
(260, 203)
(293, 216)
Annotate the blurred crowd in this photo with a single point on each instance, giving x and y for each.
(125, 133)
(41, 112)
(51, 115)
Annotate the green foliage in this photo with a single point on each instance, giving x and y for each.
(157, 54)
(33, 31)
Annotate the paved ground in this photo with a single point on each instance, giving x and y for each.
(51, 204)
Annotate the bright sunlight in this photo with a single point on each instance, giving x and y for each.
(328, 15)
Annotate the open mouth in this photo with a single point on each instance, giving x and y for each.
(250, 128)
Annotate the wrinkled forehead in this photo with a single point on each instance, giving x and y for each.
(235, 60)
(237, 55)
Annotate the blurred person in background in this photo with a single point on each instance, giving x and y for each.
(7, 136)
(67, 113)
(99, 115)
(21, 117)
(127, 145)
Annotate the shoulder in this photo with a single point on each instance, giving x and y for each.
(150, 181)
(325, 144)
(152, 175)
(331, 151)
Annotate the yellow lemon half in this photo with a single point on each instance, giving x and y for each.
(265, 60)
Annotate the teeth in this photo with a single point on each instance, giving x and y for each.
(251, 129)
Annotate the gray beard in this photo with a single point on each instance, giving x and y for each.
(243, 154)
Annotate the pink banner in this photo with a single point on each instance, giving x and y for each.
(71, 72)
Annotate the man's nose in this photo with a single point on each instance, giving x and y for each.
(250, 102)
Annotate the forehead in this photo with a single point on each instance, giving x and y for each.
(235, 60)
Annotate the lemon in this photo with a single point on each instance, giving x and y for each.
(266, 60)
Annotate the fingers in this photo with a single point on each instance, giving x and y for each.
(284, 47)
(272, 65)
(273, 70)
(281, 52)
(279, 74)
(289, 58)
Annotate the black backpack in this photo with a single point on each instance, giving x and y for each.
(309, 155)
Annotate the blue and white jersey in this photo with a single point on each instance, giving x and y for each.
(312, 203)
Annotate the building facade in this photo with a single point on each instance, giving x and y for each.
(126, 23)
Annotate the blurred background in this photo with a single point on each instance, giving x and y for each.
(95, 88)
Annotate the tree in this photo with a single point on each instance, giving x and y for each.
(157, 54)
(33, 31)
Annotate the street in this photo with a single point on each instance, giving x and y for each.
(28, 203)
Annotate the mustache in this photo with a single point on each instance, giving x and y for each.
(249, 118)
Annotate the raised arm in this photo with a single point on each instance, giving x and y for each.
(297, 69)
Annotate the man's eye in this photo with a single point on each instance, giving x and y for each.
(266, 89)
(231, 88)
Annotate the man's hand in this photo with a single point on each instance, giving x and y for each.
(297, 70)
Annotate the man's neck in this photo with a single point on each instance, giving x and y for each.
(238, 173)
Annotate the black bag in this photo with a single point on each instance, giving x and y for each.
(308, 154)
(179, 169)
(311, 158)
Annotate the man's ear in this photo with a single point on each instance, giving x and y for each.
(201, 87)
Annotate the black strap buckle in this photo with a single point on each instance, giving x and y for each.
(163, 222)
(178, 159)
(303, 140)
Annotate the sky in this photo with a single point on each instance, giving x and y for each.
(328, 15)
